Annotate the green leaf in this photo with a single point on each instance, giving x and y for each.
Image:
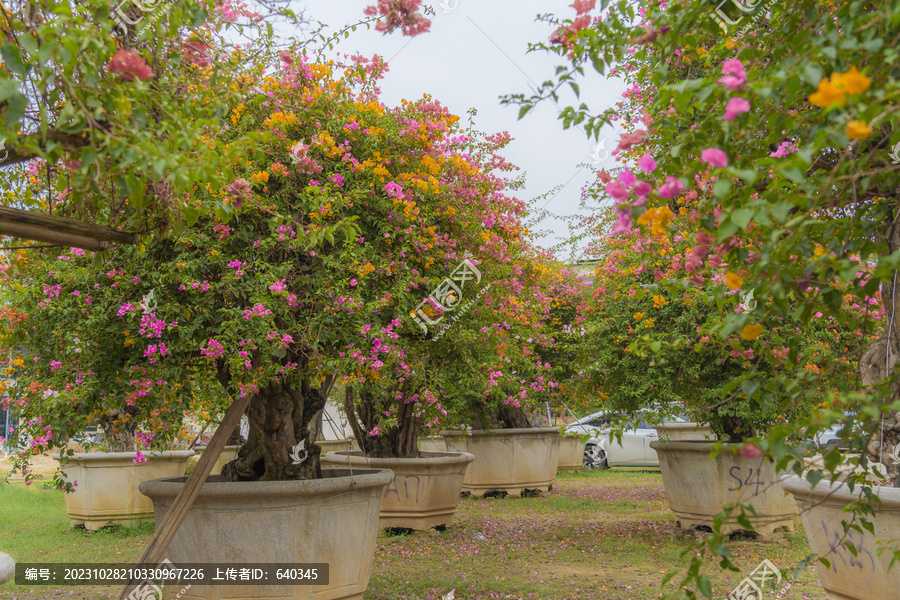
(15, 109)
(811, 73)
(721, 188)
(8, 87)
(794, 174)
(13, 59)
(704, 585)
(749, 388)
(742, 216)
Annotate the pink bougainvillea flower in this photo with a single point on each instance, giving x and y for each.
(583, 6)
(129, 64)
(627, 140)
(623, 225)
(750, 451)
(714, 157)
(285, 57)
(627, 178)
(197, 53)
(784, 149)
(615, 189)
(671, 188)
(399, 13)
(734, 74)
(643, 189)
(604, 176)
(735, 107)
(239, 190)
(646, 163)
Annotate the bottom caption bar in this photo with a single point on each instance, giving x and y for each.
(168, 573)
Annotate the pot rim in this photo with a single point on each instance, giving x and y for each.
(490, 432)
(333, 481)
(99, 456)
(443, 458)
(693, 445)
(839, 491)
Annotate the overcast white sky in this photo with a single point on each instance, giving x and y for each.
(474, 53)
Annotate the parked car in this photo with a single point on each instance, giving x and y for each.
(603, 450)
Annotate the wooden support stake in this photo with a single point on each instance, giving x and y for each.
(155, 552)
(31, 225)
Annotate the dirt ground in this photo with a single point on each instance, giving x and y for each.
(42, 465)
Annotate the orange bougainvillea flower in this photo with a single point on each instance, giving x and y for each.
(852, 82)
(751, 331)
(733, 280)
(858, 130)
(835, 90)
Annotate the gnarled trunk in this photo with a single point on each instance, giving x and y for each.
(400, 441)
(279, 421)
(118, 429)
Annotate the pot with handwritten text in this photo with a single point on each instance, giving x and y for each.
(699, 487)
(424, 492)
(865, 573)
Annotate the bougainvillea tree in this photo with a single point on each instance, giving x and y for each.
(340, 218)
(647, 341)
(771, 126)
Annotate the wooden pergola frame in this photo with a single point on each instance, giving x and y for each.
(40, 227)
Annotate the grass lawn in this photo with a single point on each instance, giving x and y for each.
(605, 535)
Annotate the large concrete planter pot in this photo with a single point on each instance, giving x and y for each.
(859, 577)
(346, 445)
(331, 520)
(571, 453)
(107, 491)
(424, 492)
(698, 488)
(508, 460)
(684, 432)
(229, 453)
(432, 444)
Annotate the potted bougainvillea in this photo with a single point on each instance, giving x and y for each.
(317, 243)
(744, 127)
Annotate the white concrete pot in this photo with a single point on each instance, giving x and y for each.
(866, 575)
(229, 453)
(345, 445)
(571, 453)
(424, 492)
(684, 432)
(107, 491)
(508, 460)
(698, 488)
(432, 444)
(332, 520)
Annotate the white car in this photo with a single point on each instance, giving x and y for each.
(602, 450)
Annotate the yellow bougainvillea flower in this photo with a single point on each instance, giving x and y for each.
(835, 90)
(852, 82)
(828, 94)
(820, 250)
(733, 280)
(751, 331)
(858, 130)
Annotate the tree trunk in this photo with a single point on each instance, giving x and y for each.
(279, 421)
(118, 429)
(400, 441)
(878, 362)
